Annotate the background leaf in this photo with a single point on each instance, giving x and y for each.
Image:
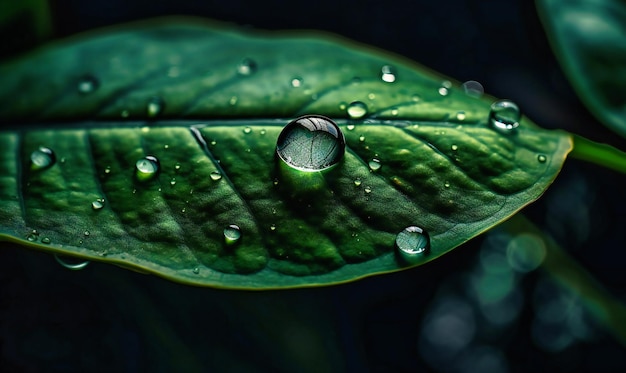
(588, 39)
(443, 167)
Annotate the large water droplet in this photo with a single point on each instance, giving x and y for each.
(216, 175)
(542, 158)
(388, 74)
(296, 82)
(374, 164)
(72, 263)
(311, 143)
(247, 66)
(412, 242)
(98, 204)
(473, 88)
(232, 234)
(87, 84)
(155, 107)
(147, 168)
(42, 158)
(504, 116)
(357, 110)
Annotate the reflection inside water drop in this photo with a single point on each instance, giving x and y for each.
(75, 264)
(311, 143)
(357, 110)
(388, 74)
(412, 242)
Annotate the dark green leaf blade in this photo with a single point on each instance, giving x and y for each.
(442, 167)
(588, 39)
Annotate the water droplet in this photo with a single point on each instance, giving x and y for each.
(374, 164)
(147, 168)
(343, 106)
(542, 158)
(415, 98)
(357, 110)
(296, 82)
(273, 227)
(45, 240)
(388, 74)
(72, 263)
(247, 66)
(216, 175)
(155, 107)
(504, 116)
(263, 131)
(473, 88)
(394, 112)
(124, 113)
(447, 184)
(367, 189)
(31, 237)
(371, 96)
(233, 101)
(311, 143)
(454, 147)
(362, 138)
(412, 242)
(177, 166)
(247, 130)
(107, 170)
(196, 270)
(443, 91)
(86, 233)
(232, 234)
(183, 210)
(460, 115)
(42, 158)
(350, 127)
(87, 84)
(98, 204)
(357, 182)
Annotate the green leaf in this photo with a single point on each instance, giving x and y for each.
(172, 90)
(587, 37)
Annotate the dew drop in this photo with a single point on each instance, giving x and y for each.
(86, 233)
(296, 82)
(177, 166)
(147, 168)
(357, 110)
(173, 181)
(371, 96)
(460, 115)
(87, 84)
(415, 98)
(75, 264)
(247, 66)
(46, 240)
(155, 107)
(454, 147)
(357, 182)
(107, 170)
(412, 242)
(273, 227)
(504, 116)
(247, 130)
(97, 204)
(362, 138)
(42, 158)
(374, 164)
(216, 175)
(124, 113)
(446, 184)
(31, 237)
(343, 106)
(311, 143)
(350, 127)
(232, 234)
(196, 270)
(443, 91)
(367, 189)
(542, 158)
(388, 74)
(473, 88)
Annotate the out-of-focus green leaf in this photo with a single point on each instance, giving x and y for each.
(177, 90)
(588, 37)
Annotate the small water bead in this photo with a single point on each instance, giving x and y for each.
(233, 101)
(454, 147)
(177, 166)
(31, 237)
(504, 116)
(42, 158)
(75, 264)
(446, 84)
(98, 204)
(263, 132)
(388, 74)
(124, 113)
(412, 242)
(155, 107)
(367, 189)
(247, 130)
(87, 84)
(343, 106)
(216, 175)
(460, 115)
(196, 270)
(415, 98)
(247, 66)
(273, 227)
(107, 170)
(362, 138)
(86, 233)
(147, 168)
(542, 158)
(46, 240)
(296, 82)
(371, 96)
(446, 184)
(232, 234)
(173, 181)
(311, 143)
(357, 110)
(374, 164)
(443, 91)
(473, 88)
(357, 182)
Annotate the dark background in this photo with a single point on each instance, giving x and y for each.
(108, 319)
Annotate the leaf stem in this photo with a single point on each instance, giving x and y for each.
(610, 312)
(600, 154)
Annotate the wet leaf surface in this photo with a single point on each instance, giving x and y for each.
(208, 103)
